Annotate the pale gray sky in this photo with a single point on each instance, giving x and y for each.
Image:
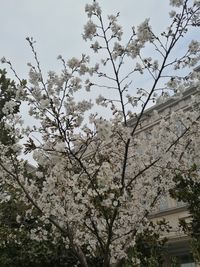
(57, 26)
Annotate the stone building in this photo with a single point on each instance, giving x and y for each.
(178, 243)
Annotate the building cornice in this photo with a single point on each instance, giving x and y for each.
(169, 211)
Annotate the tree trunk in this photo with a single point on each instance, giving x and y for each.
(81, 257)
(106, 262)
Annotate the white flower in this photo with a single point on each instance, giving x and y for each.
(144, 33)
(138, 67)
(89, 30)
(172, 13)
(73, 63)
(117, 50)
(59, 57)
(134, 48)
(116, 30)
(103, 129)
(93, 9)
(88, 85)
(39, 174)
(194, 47)
(3, 60)
(34, 77)
(155, 65)
(44, 103)
(100, 99)
(18, 219)
(197, 2)
(115, 203)
(95, 47)
(9, 107)
(176, 3)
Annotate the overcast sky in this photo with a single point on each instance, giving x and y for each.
(57, 26)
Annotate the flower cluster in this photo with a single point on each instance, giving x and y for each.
(93, 9)
(176, 3)
(89, 30)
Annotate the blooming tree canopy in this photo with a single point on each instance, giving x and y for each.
(98, 178)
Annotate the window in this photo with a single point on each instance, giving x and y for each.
(163, 205)
(187, 261)
(190, 264)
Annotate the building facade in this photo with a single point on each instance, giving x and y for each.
(178, 244)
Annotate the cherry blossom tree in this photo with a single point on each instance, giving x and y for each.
(99, 177)
(187, 190)
(16, 246)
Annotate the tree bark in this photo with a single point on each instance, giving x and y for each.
(81, 257)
